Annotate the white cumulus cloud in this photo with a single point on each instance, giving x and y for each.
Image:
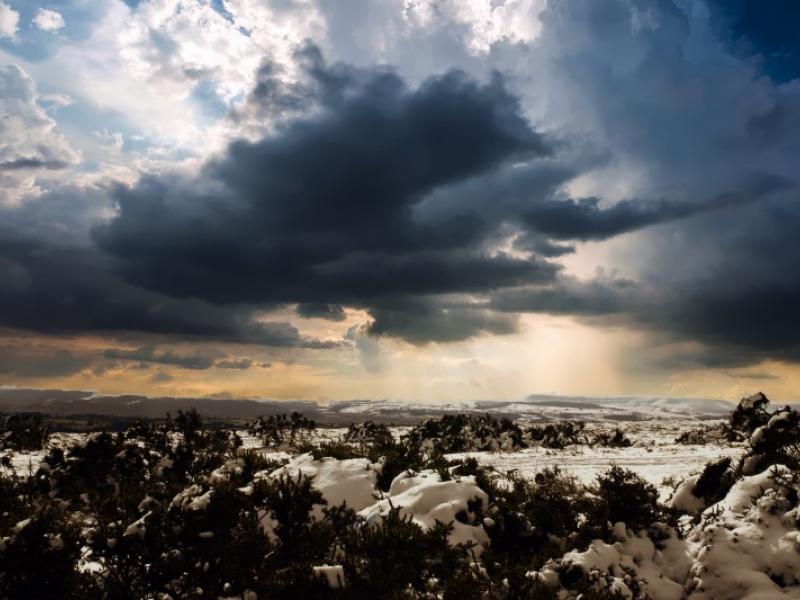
(30, 146)
(9, 21)
(48, 20)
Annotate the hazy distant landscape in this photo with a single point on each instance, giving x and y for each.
(534, 407)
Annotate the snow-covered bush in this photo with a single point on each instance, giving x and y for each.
(175, 509)
(750, 414)
(716, 433)
(776, 442)
(280, 431)
(747, 546)
(620, 495)
(462, 433)
(697, 492)
(772, 436)
(23, 431)
(529, 522)
(617, 439)
(369, 435)
(558, 435)
(39, 556)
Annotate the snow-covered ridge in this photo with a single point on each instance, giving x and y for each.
(545, 407)
(401, 411)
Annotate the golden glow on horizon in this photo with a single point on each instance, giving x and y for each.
(551, 355)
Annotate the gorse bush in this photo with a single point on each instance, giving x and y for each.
(775, 439)
(281, 431)
(620, 495)
(459, 433)
(772, 438)
(617, 439)
(174, 509)
(23, 431)
(559, 435)
(750, 413)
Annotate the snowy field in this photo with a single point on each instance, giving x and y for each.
(655, 455)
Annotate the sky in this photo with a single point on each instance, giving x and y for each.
(411, 199)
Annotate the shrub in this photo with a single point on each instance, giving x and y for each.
(775, 442)
(23, 431)
(462, 433)
(40, 556)
(715, 481)
(772, 437)
(394, 555)
(177, 509)
(531, 521)
(334, 449)
(621, 495)
(618, 439)
(281, 431)
(750, 414)
(710, 434)
(369, 436)
(558, 435)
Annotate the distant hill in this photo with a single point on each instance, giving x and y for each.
(63, 403)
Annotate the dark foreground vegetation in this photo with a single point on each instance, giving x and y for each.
(174, 509)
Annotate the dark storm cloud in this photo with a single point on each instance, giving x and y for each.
(584, 219)
(386, 197)
(149, 354)
(272, 97)
(742, 309)
(420, 321)
(754, 375)
(602, 296)
(34, 362)
(161, 377)
(738, 316)
(714, 138)
(382, 197)
(56, 288)
(419, 203)
(235, 363)
(322, 211)
(318, 310)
